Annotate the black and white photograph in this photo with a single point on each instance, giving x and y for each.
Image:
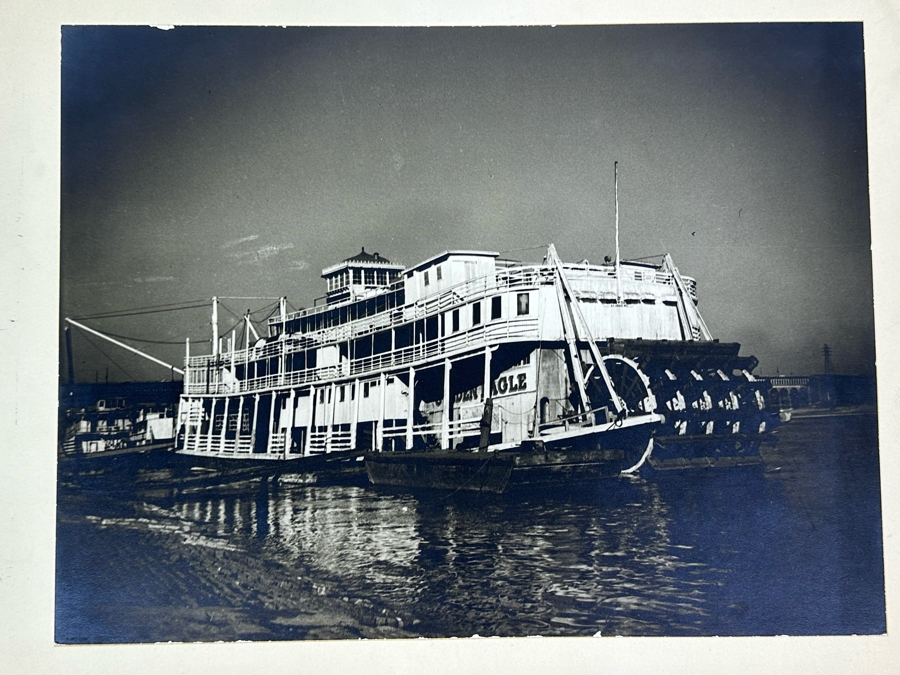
(443, 338)
(443, 332)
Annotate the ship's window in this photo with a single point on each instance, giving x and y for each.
(343, 393)
(321, 396)
(522, 303)
(496, 308)
(357, 276)
(403, 336)
(439, 276)
(365, 390)
(370, 277)
(455, 320)
(352, 391)
(381, 342)
(362, 347)
(382, 277)
(426, 278)
(431, 328)
(476, 314)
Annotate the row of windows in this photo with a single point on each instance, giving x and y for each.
(368, 388)
(382, 342)
(360, 276)
(341, 315)
(437, 273)
(219, 419)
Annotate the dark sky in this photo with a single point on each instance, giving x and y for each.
(241, 161)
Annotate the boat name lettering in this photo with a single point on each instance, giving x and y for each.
(505, 384)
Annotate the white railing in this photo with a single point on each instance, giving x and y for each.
(466, 291)
(520, 328)
(206, 374)
(457, 429)
(320, 442)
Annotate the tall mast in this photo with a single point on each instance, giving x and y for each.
(616, 184)
(215, 326)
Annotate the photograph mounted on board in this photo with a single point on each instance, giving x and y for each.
(442, 332)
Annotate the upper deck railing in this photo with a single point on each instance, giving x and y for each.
(202, 380)
(206, 372)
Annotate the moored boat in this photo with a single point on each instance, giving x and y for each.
(400, 363)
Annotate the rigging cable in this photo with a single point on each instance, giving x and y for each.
(153, 342)
(114, 362)
(142, 310)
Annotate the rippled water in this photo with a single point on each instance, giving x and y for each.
(791, 548)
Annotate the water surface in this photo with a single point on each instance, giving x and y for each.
(793, 547)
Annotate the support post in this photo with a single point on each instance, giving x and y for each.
(329, 415)
(310, 427)
(354, 422)
(486, 385)
(184, 404)
(271, 422)
(448, 407)
(382, 385)
(212, 424)
(224, 425)
(253, 423)
(410, 413)
(289, 428)
(240, 424)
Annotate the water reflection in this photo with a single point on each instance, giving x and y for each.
(600, 560)
(793, 547)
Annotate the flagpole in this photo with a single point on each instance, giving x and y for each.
(616, 183)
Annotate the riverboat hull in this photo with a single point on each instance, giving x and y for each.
(547, 463)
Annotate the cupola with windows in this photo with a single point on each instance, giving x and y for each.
(359, 276)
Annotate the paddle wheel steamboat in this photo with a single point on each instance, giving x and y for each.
(553, 371)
